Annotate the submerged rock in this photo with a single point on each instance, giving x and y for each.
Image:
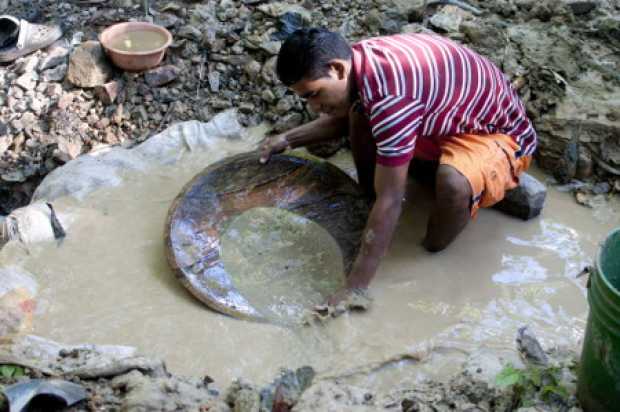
(526, 201)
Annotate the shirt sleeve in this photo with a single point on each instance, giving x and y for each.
(395, 122)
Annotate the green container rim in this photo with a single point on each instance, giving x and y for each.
(601, 274)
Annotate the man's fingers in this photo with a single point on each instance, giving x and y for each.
(265, 155)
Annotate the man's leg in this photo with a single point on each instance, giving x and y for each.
(363, 148)
(451, 211)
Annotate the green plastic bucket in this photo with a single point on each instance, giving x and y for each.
(599, 369)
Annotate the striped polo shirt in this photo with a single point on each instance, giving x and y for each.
(418, 88)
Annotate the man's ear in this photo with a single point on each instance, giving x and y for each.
(340, 67)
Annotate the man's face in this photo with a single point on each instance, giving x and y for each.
(328, 94)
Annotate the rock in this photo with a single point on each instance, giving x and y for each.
(601, 188)
(268, 96)
(88, 66)
(190, 32)
(374, 20)
(252, 68)
(54, 75)
(108, 92)
(27, 81)
(36, 104)
(289, 121)
(278, 9)
(286, 390)
(139, 113)
(56, 56)
(585, 165)
(65, 101)
(161, 75)
(327, 149)
(581, 6)
(53, 90)
(272, 47)
(68, 149)
(219, 104)
(214, 81)
(17, 124)
(3, 130)
(411, 10)
(529, 348)
(5, 142)
(13, 176)
(526, 201)
(449, 19)
(27, 65)
(247, 108)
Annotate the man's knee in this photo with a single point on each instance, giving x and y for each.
(453, 190)
(434, 246)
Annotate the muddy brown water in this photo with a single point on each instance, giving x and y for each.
(139, 41)
(108, 282)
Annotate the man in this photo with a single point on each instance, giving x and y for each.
(406, 96)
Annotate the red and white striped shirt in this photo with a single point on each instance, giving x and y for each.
(420, 87)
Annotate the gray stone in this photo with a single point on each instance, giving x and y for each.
(288, 122)
(56, 56)
(581, 6)
(108, 92)
(27, 65)
(5, 142)
(161, 75)
(214, 81)
(247, 108)
(36, 104)
(253, 68)
(27, 81)
(53, 90)
(526, 201)
(277, 9)
(272, 47)
(54, 75)
(268, 96)
(449, 18)
(88, 66)
(190, 32)
(68, 149)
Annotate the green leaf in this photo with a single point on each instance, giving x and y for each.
(7, 371)
(547, 390)
(536, 377)
(19, 372)
(508, 376)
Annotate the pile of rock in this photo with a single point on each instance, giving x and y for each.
(66, 100)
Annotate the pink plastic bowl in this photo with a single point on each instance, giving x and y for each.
(134, 61)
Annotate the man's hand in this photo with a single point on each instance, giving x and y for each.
(273, 145)
(338, 297)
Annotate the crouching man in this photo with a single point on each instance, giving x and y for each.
(400, 97)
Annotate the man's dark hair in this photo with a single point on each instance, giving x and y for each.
(306, 53)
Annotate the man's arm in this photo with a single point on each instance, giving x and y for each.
(390, 185)
(322, 129)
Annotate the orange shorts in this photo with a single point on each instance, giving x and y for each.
(488, 162)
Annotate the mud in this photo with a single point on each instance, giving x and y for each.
(477, 384)
(108, 282)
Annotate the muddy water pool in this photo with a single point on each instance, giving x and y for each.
(108, 282)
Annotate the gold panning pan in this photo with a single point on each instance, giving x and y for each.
(316, 190)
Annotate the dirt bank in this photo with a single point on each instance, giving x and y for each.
(486, 380)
